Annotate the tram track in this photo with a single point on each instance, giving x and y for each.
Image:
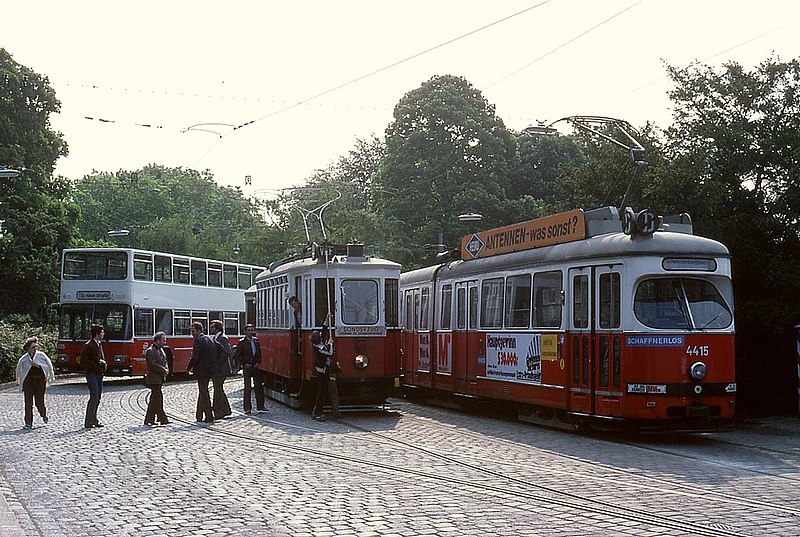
(507, 486)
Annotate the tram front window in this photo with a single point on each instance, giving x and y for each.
(359, 301)
(681, 303)
(76, 319)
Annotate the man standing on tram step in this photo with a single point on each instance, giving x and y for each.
(94, 363)
(297, 325)
(202, 365)
(224, 353)
(248, 354)
(327, 367)
(157, 372)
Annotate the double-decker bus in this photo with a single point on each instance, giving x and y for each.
(579, 318)
(135, 293)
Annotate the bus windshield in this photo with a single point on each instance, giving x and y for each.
(681, 303)
(95, 265)
(76, 319)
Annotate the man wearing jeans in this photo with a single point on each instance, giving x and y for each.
(94, 363)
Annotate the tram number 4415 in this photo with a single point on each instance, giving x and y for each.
(697, 350)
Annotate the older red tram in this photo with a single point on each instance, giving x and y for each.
(360, 293)
(579, 318)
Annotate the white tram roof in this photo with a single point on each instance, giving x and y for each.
(337, 264)
(610, 245)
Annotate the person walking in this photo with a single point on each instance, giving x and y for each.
(34, 374)
(248, 354)
(201, 365)
(94, 363)
(327, 367)
(157, 371)
(221, 406)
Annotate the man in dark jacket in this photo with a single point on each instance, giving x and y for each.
(222, 408)
(248, 354)
(202, 365)
(94, 363)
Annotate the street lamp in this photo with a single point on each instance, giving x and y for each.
(470, 217)
(117, 232)
(8, 173)
(236, 250)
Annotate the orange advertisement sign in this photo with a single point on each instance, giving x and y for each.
(556, 229)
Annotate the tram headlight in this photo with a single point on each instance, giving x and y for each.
(119, 358)
(361, 361)
(698, 371)
(63, 357)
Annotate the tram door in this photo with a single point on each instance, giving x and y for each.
(582, 364)
(608, 339)
(467, 343)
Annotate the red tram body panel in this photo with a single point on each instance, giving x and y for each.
(589, 326)
(361, 294)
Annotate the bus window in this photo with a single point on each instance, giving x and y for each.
(143, 322)
(518, 301)
(609, 300)
(231, 322)
(229, 276)
(183, 323)
(213, 316)
(95, 265)
(391, 296)
(360, 301)
(245, 278)
(199, 272)
(215, 274)
(201, 317)
(547, 299)
(162, 266)
(180, 274)
(115, 318)
(143, 267)
(492, 303)
(164, 321)
(447, 307)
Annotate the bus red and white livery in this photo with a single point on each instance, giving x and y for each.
(360, 293)
(135, 293)
(581, 318)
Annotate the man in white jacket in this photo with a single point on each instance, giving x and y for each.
(34, 374)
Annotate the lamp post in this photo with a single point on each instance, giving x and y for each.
(470, 217)
(117, 232)
(6, 173)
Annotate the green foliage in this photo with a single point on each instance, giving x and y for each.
(174, 210)
(36, 217)
(447, 153)
(14, 330)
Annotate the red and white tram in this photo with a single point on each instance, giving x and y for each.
(578, 322)
(361, 295)
(135, 293)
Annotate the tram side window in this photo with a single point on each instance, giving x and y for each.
(492, 303)
(580, 301)
(461, 308)
(229, 276)
(164, 321)
(518, 301)
(609, 300)
(162, 266)
(473, 308)
(409, 317)
(183, 322)
(322, 297)
(391, 297)
(180, 273)
(142, 322)
(547, 299)
(447, 307)
(143, 267)
(424, 314)
(215, 275)
(198, 272)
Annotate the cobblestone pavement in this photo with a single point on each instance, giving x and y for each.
(419, 471)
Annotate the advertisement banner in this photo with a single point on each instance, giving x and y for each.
(518, 357)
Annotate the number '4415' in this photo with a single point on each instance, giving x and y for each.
(697, 350)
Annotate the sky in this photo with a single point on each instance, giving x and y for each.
(165, 82)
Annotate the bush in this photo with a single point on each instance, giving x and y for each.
(14, 330)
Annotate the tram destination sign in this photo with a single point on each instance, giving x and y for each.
(556, 229)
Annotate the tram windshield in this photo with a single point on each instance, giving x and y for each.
(76, 319)
(359, 301)
(681, 303)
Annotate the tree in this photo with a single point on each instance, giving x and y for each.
(177, 211)
(735, 159)
(36, 218)
(447, 153)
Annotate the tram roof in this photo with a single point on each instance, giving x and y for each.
(337, 263)
(611, 245)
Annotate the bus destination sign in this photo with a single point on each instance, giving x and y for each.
(556, 229)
